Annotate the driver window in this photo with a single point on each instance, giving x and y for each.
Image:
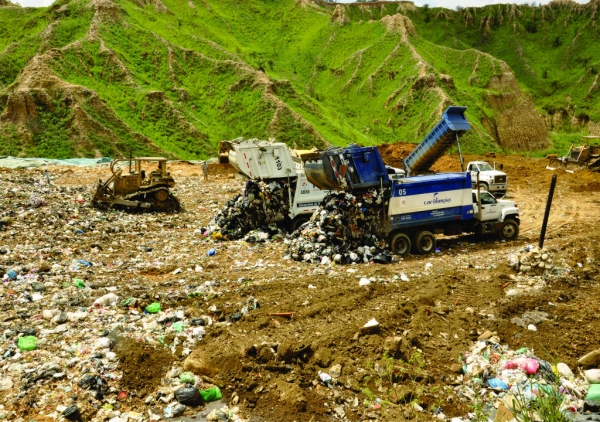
(486, 198)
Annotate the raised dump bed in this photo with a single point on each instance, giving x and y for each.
(441, 138)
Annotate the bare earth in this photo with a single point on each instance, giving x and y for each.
(272, 363)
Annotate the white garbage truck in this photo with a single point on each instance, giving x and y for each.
(272, 161)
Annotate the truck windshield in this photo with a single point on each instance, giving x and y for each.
(485, 167)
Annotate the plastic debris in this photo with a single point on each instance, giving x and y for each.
(27, 343)
(211, 394)
(153, 308)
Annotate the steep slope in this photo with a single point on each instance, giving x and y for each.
(102, 77)
(553, 49)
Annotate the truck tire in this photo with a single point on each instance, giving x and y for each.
(509, 230)
(297, 222)
(484, 186)
(401, 244)
(425, 242)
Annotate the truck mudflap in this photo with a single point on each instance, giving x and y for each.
(346, 169)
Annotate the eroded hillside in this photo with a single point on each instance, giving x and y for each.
(102, 77)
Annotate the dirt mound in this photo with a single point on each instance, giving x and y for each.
(143, 366)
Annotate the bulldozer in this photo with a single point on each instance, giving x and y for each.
(136, 190)
(586, 155)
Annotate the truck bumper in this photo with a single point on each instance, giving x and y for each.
(501, 187)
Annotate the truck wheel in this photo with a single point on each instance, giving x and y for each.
(425, 242)
(510, 229)
(401, 244)
(297, 222)
(484, 186)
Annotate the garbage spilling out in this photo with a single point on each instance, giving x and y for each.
(261, 207)
(345, 229)
(505, 384)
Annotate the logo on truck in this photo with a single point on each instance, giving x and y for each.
(437, 200)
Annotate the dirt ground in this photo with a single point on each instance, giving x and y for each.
(272, 363)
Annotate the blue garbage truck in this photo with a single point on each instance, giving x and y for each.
(415, 208)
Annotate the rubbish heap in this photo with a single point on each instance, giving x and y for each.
(79, 318)
(261, 206)
(345, 229)
(502, 384)
(532, 260)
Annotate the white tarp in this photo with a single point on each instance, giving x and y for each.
(17, 162)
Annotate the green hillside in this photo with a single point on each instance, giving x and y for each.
(102, 77)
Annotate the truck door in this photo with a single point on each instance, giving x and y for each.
(490, 209)
(473, 169)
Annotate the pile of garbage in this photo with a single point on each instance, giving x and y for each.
(79, 317)
(532, 260)
(502, 384)
(261, 207)
(345, 229)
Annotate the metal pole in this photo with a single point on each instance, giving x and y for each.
(462, 161)
(547, 213)
(479, 212)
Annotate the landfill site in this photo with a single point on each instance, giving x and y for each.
(217, 312)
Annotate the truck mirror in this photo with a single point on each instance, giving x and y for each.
(501, 166)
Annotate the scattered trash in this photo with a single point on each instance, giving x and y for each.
(153, 308)
(211, 394)
(27, 343)
(371, 327)
(189, 396)
(187, 378)
(325, 378)
(364, 282)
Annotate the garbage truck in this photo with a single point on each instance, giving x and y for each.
(275, 161)
(416, 208)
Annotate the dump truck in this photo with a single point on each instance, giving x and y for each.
(273, 161)
(137, 190)
(415, 208)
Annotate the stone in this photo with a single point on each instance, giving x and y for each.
(371, 327)
(36, 286)
(486, 335)
(5, 384)
(335, 371)
(457, 368)
(591, 359)
(197, 363)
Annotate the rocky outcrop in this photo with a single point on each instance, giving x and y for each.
(339, 15)
(517, 125)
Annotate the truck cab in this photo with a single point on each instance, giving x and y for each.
(496, 215)
(490, 179)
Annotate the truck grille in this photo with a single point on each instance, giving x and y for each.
(499, 179)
